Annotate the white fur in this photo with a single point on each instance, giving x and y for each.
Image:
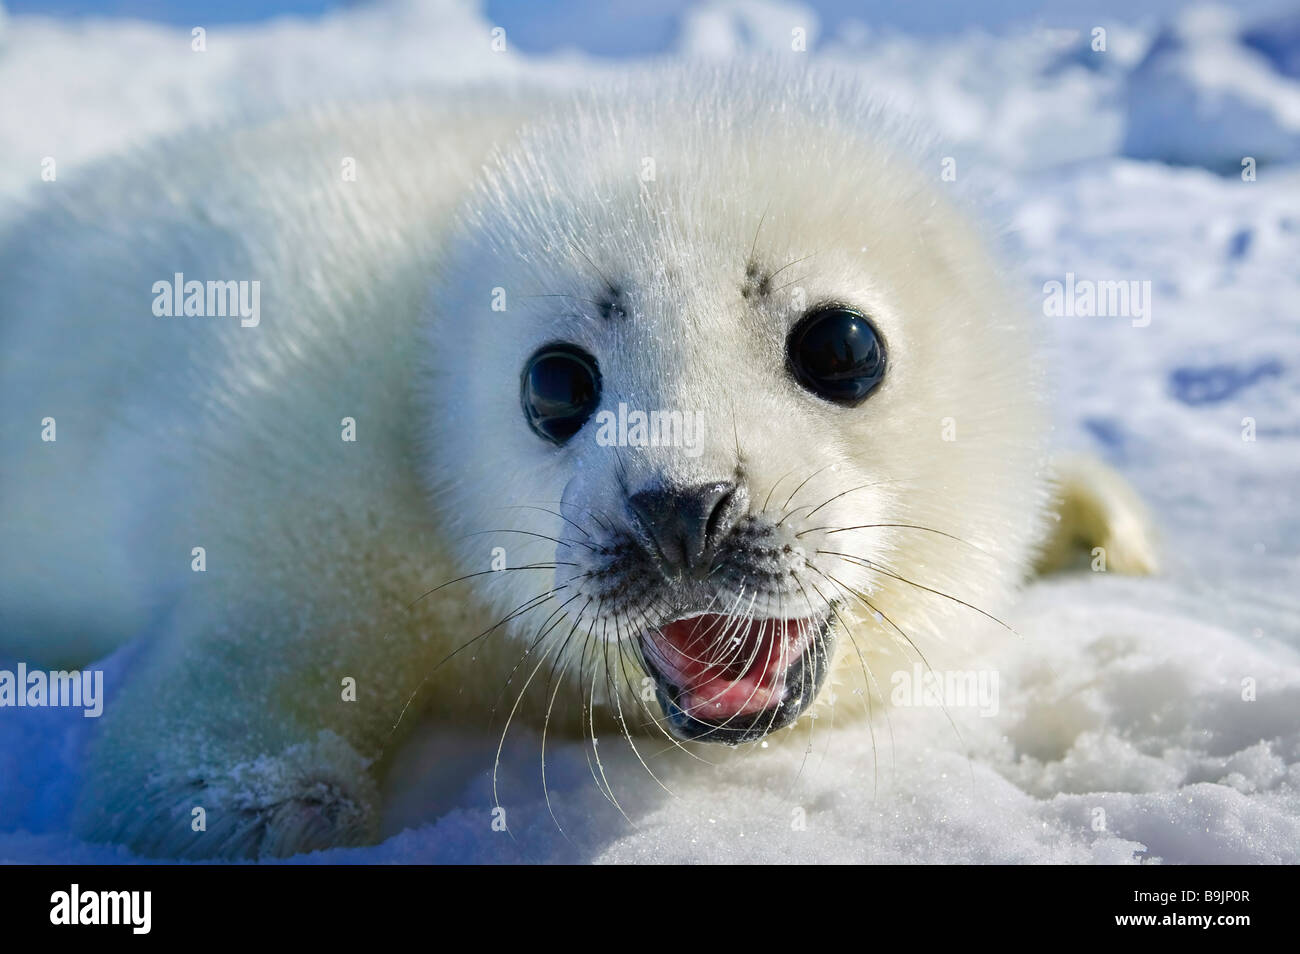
(844, 216)
(179, 432)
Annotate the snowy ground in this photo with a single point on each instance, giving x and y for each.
(1122, 732)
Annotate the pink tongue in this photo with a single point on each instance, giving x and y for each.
(724, 667)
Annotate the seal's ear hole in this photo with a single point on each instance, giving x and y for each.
(836, 353)
(559, 391)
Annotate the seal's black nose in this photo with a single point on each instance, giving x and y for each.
(686, 524)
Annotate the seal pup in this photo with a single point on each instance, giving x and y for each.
(703, 386)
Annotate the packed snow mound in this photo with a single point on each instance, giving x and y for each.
(1209, 94)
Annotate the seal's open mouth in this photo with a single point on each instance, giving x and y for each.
(731, 679)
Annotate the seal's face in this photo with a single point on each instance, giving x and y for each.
(722, 406)
(705, 580)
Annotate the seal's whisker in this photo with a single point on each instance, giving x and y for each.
(866, 601)
(851, 490)
(904, 526)
(588, 301)
(506, 569)
(768, 499)
(742, 622)
(532, 533)
(823, 639)
(524, 608)
(594, 266)
(582, 697)
(612, 689)
(618, 702)
(570, 504)
(753, 247)
(803, 484)
(863, 598)
(812, 728)
(772, 275)
(562, 656)
(771, 721)
(557, 615)
(722, 639)
(641, 663)
(879, 568)
(556, 513)
(801, 278)
(710, 661)
(607, 788)
(733, 619)
(735, 433)
(496, 763)
(869, 681)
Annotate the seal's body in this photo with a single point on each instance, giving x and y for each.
(705, 385)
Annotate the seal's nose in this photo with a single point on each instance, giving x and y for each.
(686, 524)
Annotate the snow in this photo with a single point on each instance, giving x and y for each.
(1123, 731)
(1227, 93)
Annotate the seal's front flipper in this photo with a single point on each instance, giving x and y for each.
(1097, 520)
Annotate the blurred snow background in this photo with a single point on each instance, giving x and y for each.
(1122, 733)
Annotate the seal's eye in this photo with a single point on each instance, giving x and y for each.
(561, 387)
(836, 353)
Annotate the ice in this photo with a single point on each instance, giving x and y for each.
(1139, 720)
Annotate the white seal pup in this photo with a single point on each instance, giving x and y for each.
(714, 387)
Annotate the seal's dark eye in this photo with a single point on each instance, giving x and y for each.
(836, 354)
(560, 389)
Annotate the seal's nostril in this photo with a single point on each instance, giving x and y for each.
(686, 524)
(720, 520)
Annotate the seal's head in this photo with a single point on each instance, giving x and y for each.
(741, 389)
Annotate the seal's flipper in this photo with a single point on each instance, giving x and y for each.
(1098, 520)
